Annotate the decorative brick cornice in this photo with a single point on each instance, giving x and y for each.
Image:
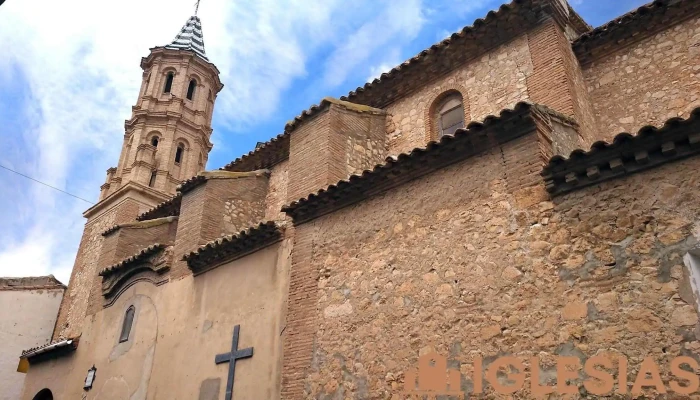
(230, 247)
(632, 27)
(465, 143)
(677, 139)
(140, 256)
(154, 260)
(186, 56)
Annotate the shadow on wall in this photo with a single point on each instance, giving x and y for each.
(44, 394)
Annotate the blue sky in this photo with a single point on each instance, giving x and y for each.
(69, 75)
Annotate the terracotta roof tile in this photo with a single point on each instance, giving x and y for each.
(276, 150)
(204, 176)
(678, 138)
(231, 247)
(632, 27)
(440, 58)
(476, 138)
(168, 208)
(496, 28)
(50, 350)
(139, 256)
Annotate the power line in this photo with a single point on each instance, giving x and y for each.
(45, 184)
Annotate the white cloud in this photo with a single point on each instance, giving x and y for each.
(78, 63)
(391, 59)
(398, 23)
(80, 60)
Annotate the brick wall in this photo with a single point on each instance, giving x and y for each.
(458, 263)
(360, 140)
(127, 241)
(556, 80)
(339, 141)
(539, 67)
(206, 213)
(308, 147)
(646, 83)
(301, 314)
(277, 192)
(490, 83)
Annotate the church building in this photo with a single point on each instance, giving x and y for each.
(527, 187)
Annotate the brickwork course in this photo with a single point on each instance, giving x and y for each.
(562, 219)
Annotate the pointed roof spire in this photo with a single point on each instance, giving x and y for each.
(190, 38)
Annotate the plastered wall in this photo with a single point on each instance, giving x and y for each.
(178, 330)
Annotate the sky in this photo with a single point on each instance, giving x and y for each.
(69, 73)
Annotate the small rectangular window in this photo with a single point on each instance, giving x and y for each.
(152, 181)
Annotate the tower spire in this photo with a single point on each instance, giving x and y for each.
(190, 37)
(196, 8)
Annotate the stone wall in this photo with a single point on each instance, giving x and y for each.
(495, 81)
(339, 140)
(277, 192)
(647, 83)
(178, 329)
(128, 240)
(365, 139)
(227, 203)
(84, 275)
(457, 263)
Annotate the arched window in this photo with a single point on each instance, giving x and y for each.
(450, 115)
(190, 89)
(154, 141)
(178, 153)
(168, 82)
(126, 325)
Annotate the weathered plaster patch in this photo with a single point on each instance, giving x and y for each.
(209, 389)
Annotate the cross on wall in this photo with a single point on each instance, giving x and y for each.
(231, 358)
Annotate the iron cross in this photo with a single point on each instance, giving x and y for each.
(231, 358)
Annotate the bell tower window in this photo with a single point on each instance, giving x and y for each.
(190, 89)
(154, 141)
(178, 153)
(126, 325)
(168, 82)
(152, 181)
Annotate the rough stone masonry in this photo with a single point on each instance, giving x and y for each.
(562, 218)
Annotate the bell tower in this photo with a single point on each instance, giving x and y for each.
(166, 139)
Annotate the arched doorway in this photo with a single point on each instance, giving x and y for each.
(44, 394)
